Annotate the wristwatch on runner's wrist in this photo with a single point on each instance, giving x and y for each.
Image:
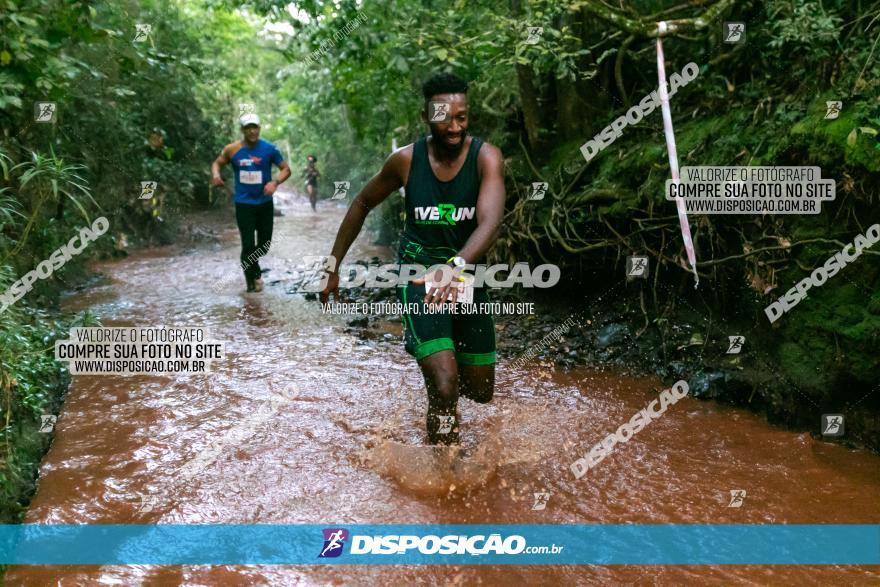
(457, 262)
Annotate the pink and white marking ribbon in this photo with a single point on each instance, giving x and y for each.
(673, 154)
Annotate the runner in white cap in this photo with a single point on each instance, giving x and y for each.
(252, 159)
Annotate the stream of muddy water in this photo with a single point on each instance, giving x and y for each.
(332, 454)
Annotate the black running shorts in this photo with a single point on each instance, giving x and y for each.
(469, 332)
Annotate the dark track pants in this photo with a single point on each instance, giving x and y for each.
(254, 219)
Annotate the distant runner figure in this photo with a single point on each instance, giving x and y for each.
(252, 159)
(454, 203)
(311, 174)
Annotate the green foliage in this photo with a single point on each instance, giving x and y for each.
(114, 96)
(835, 338)
(803, 26)
(31, 385)
(47, 180)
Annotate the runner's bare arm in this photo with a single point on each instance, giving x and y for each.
(220, 161)
(490, 204)
(285, 172)
(270, 187)
(389, 179)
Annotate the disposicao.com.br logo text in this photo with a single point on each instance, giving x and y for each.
(476, 545)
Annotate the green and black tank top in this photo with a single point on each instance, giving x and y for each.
(440, 215)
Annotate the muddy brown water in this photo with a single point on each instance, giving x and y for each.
(332, 455)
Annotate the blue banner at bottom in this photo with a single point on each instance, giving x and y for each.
(506, 544)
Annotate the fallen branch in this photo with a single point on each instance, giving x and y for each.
(643, 27)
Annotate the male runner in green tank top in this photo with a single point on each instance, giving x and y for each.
(454, 207)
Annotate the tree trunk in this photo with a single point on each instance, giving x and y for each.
(528, 95)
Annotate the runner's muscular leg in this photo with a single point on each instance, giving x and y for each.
(477, 382)
(441, 379)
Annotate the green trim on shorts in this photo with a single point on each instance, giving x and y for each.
(434, 346)
(475, 358)
(406, 317)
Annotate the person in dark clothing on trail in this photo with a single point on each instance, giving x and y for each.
(311, 175)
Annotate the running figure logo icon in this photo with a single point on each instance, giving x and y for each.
(47, 423)
(541, 499)
(734, 32)
(539, 188)
(535, 33)
(148, 188)
(446, 424)
(142, 31)
(341, 189)
(148, 503)
(636, 267)
(832, 109)
(44, 112)
(736, 343)
(334, 541)
(736, 498)
(438, 111)
(832, 424)
(314, 272)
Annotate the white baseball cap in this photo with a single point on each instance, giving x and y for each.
(249, 118)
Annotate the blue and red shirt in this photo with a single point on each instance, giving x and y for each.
(252, 168)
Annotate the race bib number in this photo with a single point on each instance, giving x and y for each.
(251, 177)
(465, 289)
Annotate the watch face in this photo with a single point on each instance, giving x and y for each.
(459, 261)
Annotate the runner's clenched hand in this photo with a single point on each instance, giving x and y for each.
(446, 286)
(332, 286)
